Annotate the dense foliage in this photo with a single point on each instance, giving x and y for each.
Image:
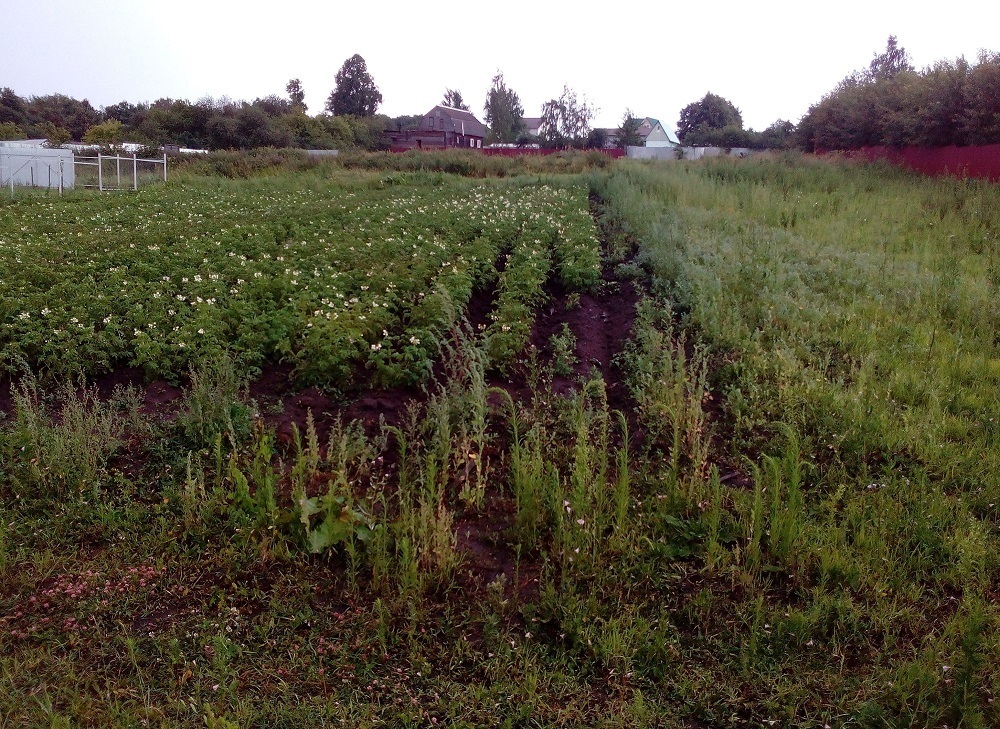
(951, 102)
(271, 121)
(714, 121)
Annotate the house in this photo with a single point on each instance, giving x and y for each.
(442, 127)
(655, 134)
(532, 124)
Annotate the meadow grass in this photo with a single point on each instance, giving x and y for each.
(852, 312)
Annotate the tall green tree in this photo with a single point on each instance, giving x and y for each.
(296, 95)
(566, 120)
(710, 112)
(628, 133)
(13, 108)
(355, 92)
(780, 135)
(453, 98)
(890, 63)
(106, 133)
(503, 111)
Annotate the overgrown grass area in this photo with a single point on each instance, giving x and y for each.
(851, 315)
(467, 163)
(772, 503)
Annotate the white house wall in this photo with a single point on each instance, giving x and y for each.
(659, 138)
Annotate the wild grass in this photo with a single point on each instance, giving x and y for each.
(852, 314)
(277, 162)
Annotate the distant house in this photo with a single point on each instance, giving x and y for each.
(442, 127)
(532, 124)
(655, 134)
(610, 136)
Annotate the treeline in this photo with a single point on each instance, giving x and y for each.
(891, 104)
(216, 124)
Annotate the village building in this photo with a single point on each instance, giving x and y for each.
(443, 127)
(654, 134)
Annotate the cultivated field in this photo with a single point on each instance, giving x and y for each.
(708, 444)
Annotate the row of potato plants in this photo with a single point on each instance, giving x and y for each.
(331, 278)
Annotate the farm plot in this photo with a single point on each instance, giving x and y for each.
(332, 282)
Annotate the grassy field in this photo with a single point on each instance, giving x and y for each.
(665, 445)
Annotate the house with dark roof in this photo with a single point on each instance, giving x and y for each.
(442, 127)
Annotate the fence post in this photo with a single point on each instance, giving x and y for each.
(164, 166)
(118, 168)
(100, 173)
(135, 172)
(60, 176)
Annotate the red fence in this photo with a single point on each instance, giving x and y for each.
(982, 162)
(512, 151)
(533, 152)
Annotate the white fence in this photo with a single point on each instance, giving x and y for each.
(37, 166)
(674, 153)
(105, 171)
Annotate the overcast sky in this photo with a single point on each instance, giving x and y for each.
(772, 59)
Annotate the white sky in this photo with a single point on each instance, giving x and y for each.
(772, 59)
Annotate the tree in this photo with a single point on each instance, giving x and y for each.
(56, 136)
(453, 98)
(106, 133)
(597, 139)
(406, 122)
(890, 63)
(628, 132)
(504, 113)
(981, 117)
(12, 108)
(296, 95)
(566, 120)
(128, 114)
(64, 112)
(355, 93)
(273, 105)
(10, 130)
(711, 112)
(943, 104)
(779, 135)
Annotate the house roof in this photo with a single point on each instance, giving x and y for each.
(462, 122)
(531, 122)
(649, 124)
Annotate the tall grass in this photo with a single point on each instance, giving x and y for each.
(852, 312)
